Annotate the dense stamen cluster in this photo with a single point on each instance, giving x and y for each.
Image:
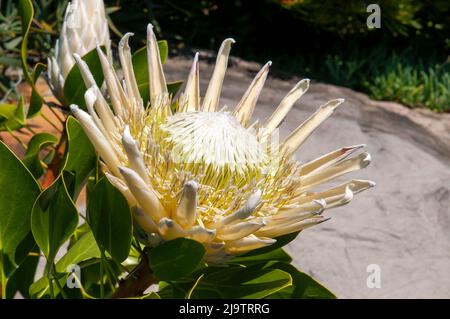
(208, 174)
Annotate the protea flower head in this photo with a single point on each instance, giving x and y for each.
(84, 27)
(193, 170)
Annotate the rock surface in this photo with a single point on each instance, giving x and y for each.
(403, 224)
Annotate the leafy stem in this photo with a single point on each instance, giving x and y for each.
(2, 277)
(55, 278)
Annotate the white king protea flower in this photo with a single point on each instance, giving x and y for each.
(192, 170)
(85, 26)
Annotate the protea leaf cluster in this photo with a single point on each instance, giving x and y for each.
(85, 26)
(190, 167)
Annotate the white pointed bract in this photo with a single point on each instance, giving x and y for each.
(211, 99)
(85, 26)
(206, 174)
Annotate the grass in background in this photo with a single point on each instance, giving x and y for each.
(382, 77)
(413, 86)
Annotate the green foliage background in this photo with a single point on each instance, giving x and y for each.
(323, 40)
(406, 60)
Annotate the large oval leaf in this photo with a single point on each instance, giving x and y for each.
(35, 145)
(54, 217)
(81, 158)
(110, 219)
(176, 258)
(246, 283)
(303, 286)
(18, 192)
(274, 255)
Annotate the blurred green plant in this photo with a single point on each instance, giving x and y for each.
(419, 86)
(305, 37)
(48, 18)
(314, 39)
(397, 16)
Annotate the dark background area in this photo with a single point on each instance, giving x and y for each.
(406, 60)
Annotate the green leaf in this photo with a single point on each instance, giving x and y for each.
(140, 67)
(36, 100)
(110, 219)
(274, 255)
(74, 87)
(26, 12)
(303, 287)
(12, 116)
(173, 87)
(19, 191)
(176, 258)
(36, 144)
(7, 111)
(245, 283)
(81, 158)
(23, 276)
(54, 217)
(84, 249)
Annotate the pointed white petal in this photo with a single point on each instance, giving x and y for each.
(239, 230)
(279, 230)
(143, 193)
(104, 111)
(247, 243)
(285, 105)
(157, 81)
(245, 108)
(304, 211)
(97, 138)
(201, 234)
(169, 229)
(329, 159)
(356, 186)
(90, 98)
(296, 138)
(340, 199)
(127, 68)
(135, 158)
(191, 96)
(86, 74)
(243, 212)
(144, 220)
(211, 100)
(115, 91)
(346, 166)
(186, 211)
